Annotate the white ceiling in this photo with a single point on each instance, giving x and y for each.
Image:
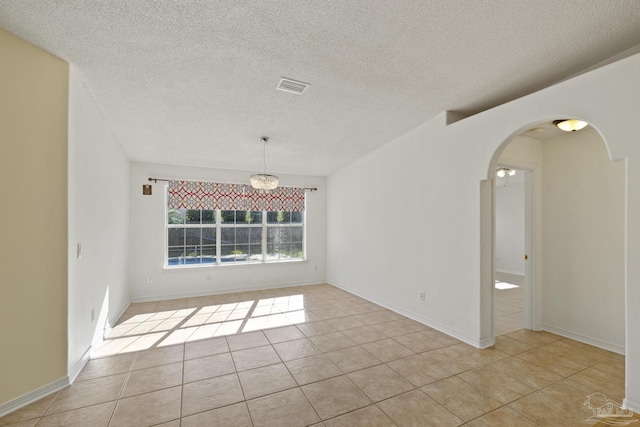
(193, 82)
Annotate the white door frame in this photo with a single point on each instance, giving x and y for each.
(532, 241)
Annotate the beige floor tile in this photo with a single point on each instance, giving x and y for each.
(287, 333)
(210, 394)
(364, 334)
(332, 341)
(247, 340)
(511, 346)
(255, 357)
(297, 349)
(335, 396)
(207, 347)
(526, 372)
(26, 423)
(87, 393)
(235, 415)
(461, 398)
(289, 408)
(353, 358)
(106, 366)
(560, 404)
(612, 387)
(380, 382)
(502, 417)
(312, 369)
(387, 350)
(371, 416)
(152, 379)
(419, 342)
(147, 409)
(159, 356)
(452, 360)
(534, 338)
(208, 367)
(316, 328)
(34, 410)
(416, 409)
(419, 370)
(442, 338)
(496, 384)
(266, 380)
(172, 423)
(612, 366)
(95, 416)
(344, 323)
(392, 329)
(552, 362)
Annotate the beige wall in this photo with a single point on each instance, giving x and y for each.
(33, 224)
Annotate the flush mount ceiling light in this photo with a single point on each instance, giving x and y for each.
(264, 181)
(570, 125)
(502, 172)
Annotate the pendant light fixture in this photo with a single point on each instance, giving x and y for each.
(264, 181)
(570, 125)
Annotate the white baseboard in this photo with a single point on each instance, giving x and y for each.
(418, 318)
(149, 298)
(73, 374)
(33, 396)
(512, 272)
(585, 339)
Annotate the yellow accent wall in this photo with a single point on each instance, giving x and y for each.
(33, 217)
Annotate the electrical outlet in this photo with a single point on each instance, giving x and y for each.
(93, 314)
(423, 296)
(149, 280)
(79, 251)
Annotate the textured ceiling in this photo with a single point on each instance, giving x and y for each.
(193, 82)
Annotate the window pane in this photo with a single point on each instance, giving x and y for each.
(208, 236)
(176, 236)
(272, 217)
(296, 234)
(256, 252)
(296, 217)
(228, 217)
(227, 250)
(255, 235)
(193, 216)
(228, 236)
(242, 236)
(256, 217)
(286, 217)
(296, 250)
(208, 216)
(193, 236)
(208, 254)
(176, 256)
(176, 216)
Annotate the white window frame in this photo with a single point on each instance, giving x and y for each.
(218, 227)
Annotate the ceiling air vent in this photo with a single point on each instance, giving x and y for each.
(292, 86)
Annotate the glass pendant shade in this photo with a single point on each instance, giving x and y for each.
(570, 125)
(263, 181)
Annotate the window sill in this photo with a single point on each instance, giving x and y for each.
(232, 265)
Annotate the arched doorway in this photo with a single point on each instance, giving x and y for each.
(575, 236)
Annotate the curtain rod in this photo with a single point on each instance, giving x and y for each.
(167, 180)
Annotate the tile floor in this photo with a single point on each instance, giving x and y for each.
(319, 356)
(509, 304)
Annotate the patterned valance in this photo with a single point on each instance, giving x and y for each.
(216, 195)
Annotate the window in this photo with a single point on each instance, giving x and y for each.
(244, 236)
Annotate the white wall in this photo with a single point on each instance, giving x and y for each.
(99, 220)
(510, 224)
(406, 217)
(583, 207)
(148, 240)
